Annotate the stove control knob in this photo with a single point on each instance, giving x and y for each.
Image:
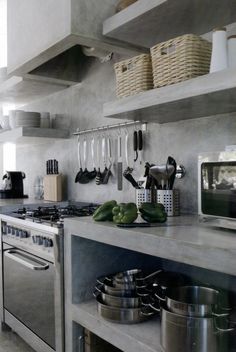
(17, 232)
(40, 240)
(9, 229)
(13, 231)
(50, 242)
(23, 234)
(34, 239)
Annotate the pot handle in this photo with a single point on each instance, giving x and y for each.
(154, 308)
(100, 280)
(222, 330)
(159, 297)
(150, 276)
(218, 315)
(147, 314)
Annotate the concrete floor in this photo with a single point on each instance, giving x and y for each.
(11, 342)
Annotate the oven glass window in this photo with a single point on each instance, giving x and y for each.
(218, 188)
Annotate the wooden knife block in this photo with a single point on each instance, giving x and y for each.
(53, 188)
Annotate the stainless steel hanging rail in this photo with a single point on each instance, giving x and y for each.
(108, 127)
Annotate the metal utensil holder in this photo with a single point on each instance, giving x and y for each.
(171, 201)
(143, 196)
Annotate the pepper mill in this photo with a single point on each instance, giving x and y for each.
(219, 56)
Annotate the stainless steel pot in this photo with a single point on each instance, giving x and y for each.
(116, 301)
(194, 301)
(127, 291)
(131, 278)
(123, 315)
(196, 334)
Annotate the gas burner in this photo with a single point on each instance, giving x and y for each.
(55, 215)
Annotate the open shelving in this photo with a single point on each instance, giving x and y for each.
(142, 337)
(159, 20)
(25, 135)
(206, 95)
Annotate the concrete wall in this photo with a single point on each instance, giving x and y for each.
(81, 107)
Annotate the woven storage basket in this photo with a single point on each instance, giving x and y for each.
(179, 59)
(133, 75)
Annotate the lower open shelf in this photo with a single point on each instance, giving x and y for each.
(142, 337)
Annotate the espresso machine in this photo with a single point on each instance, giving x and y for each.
(13, 185)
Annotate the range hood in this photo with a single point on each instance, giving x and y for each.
(45, 37)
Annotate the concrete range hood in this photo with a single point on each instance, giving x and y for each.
(45, 37)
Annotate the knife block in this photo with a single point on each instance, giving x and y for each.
(53, 187)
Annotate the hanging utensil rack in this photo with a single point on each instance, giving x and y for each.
(109, 127)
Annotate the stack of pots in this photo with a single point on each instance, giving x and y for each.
(124, 297)
(118, 296)
(193, 319)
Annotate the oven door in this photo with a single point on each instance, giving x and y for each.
(29, 292)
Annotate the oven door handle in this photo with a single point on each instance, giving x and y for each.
(11, 255)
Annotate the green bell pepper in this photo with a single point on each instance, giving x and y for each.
(125, 213)
(153, 212)
(104, 212)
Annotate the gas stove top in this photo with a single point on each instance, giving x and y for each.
(54, 215)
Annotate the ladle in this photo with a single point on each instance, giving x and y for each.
(92, 174)
(85, 175)
(161, 173)
(80, 172)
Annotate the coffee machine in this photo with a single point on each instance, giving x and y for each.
(13, 185)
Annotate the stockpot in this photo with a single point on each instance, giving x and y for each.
(196, 334)
(197, 301)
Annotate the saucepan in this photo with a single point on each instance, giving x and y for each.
(123, 315)
(117, 301)
(131, 279)
(126, 291)
(197, 301)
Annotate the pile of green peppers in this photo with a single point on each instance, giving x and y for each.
(127, 213)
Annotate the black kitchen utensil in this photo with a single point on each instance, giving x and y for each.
(135, 145)
(127, 175)
(140, 144)
(171, 161)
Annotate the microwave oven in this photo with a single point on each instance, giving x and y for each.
(217, 188)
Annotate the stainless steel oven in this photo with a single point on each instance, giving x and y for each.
(32, 276)
(29, 291)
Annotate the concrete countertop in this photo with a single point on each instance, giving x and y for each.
(182, 239)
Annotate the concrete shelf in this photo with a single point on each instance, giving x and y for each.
(207, 247)
(206, 95)
(142, 337)
(159, 20)
(23, 90)
(25, 135)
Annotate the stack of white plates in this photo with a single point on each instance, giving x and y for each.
(20, 118)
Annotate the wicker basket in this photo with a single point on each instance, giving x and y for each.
(133, 75)
(179, 59)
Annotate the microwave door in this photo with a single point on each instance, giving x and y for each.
(218, 189)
